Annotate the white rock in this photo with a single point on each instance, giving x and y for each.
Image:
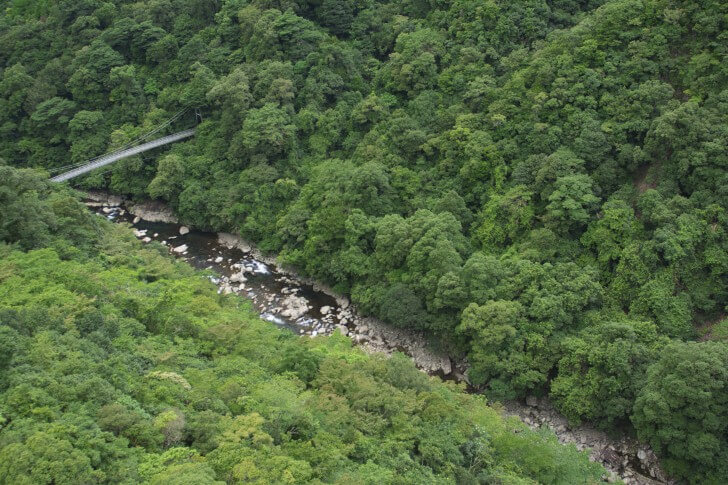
(114, 200)
(238, 278)
(153, 211)
(325, 309)
(184, 230)
(147, 239)
(219, 259)
(136, 220)
(232, 241)
(294, 307)
(180, 249)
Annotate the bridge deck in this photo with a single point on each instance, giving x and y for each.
(129, 152)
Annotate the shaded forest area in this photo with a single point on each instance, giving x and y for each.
(541, 186)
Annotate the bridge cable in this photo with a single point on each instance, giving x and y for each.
(126, 146)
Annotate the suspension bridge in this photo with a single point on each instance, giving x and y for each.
(128, 150)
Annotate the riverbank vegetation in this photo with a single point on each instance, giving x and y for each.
(540, 186)
(120, 365)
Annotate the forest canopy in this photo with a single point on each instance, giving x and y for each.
(541, 187)
(119, 365)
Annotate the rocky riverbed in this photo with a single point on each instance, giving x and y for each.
(278, 294)
(309, 308)
(625, 458)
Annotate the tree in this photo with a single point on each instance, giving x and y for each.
(505, 217)
(420, 156)
(413, 66)
(232, 94)
(500, 358)
(170, 177)
(33, 216)
(682, 410)
(603, 369)
(89, 82)
(23, 219)
(88, 135)
(14, 86)
(336, 15)
(186, 474)
(195, 92)
(671, 309)
(515, 334)
(126, 95)
(691, 141)
(401, 307)
(612, 232)
(46, 459)
(130, 424)
(267, 133)
(51, 117)
(571, 203)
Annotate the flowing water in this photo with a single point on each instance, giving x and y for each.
(271, 292)
(299, 307)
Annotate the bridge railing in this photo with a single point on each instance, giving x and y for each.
(120, 154)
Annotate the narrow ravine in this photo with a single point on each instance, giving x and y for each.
(279, 295)
(308, 308)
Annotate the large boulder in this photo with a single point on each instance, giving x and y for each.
(294, 307)
(238, 277)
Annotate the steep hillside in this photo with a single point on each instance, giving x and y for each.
(120, 366)
(540, 186)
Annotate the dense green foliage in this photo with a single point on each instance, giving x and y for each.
(118, 365)
(541, 186)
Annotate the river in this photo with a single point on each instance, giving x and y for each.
(307, 308)
(279, 299)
